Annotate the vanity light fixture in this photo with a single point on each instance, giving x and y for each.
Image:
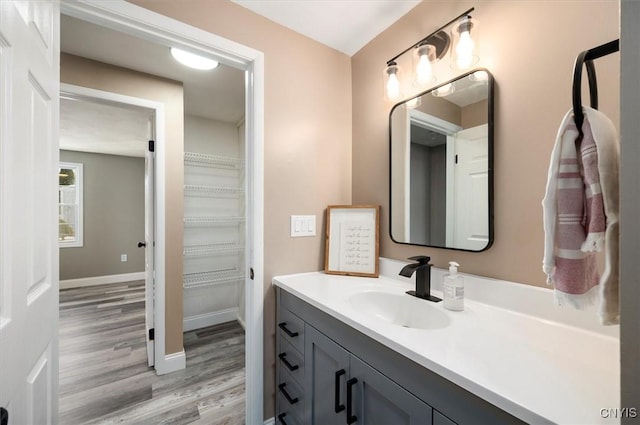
(465, 53)
(192, 60)
(392, 82)
(431, 49)
(444, 90)
(414, 103)
(479, 76)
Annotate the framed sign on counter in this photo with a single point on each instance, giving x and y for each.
(352, 240)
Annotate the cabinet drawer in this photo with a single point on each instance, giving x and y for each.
(287, 419)
(290, 395)
(292, 361)
(440, 419)
(291, 328)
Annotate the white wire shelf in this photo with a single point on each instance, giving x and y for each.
(213, 161)
(212, 249)
(212, 191)
(219, 277)
(211, 221)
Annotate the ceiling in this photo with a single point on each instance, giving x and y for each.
(345, 25)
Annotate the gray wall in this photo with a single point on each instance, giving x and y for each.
(630, 210)
(113, 217)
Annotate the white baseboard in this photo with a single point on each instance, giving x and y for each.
(241, 321)
(101, 280)
(271, 421)
(209, 319)
(173, 362)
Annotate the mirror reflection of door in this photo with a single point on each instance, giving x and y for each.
(441, 177)
(428, 207)
(471, 183)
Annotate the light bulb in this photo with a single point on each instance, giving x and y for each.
(392, 85)
(479, 76)
(414, 103)
(444, 90)
(424, 70)
(464, 50)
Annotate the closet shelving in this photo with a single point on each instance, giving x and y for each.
(213, 237)
(203, 279)
(205, 191)
(212, 249)
(212, 221)
(215, 161)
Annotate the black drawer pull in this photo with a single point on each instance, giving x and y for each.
(286, 394)
(281, 418)
(337, 406)
(283, 326)
(350, 418)
(289, 366)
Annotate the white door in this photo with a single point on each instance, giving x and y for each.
(471, 193)
(149, 241)
(29, 114)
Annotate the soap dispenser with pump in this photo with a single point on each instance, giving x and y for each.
(453, 288)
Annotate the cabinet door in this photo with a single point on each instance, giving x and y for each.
(326, 372)
(377, 400)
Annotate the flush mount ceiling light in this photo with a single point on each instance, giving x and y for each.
(462, 42)
(192, 60)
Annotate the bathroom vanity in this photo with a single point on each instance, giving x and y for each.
(357, 350)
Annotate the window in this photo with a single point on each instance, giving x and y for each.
(70, 205)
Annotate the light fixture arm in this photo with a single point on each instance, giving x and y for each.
(389, 62)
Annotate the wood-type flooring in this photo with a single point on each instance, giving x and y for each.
(104, 377)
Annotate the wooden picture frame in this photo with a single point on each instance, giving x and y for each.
(352, 240)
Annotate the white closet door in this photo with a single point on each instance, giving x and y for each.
(29, 115)
(471, 231)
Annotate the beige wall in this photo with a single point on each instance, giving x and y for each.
(113, 211)
(530, 48)
(87, 73)
(307, 138)
(441, 108)
(475, 114)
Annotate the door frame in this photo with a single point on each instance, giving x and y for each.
(89, 94)
(137, 21)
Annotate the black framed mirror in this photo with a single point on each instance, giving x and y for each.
(441, 165)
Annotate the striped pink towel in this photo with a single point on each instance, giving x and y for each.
(579, 217)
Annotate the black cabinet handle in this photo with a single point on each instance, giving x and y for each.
(337, 406)
(283, 326)
(291, 367)
(4, 416)
(281, 418)
(286, 394)
(350, 418)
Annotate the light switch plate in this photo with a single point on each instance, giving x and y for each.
(303, 225)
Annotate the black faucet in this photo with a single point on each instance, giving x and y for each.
(423, 277)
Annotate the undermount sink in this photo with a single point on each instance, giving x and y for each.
(400, 309)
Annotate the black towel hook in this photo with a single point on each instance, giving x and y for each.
(586, 58)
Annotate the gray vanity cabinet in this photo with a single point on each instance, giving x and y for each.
(379, 400)
(329, 373)
(341, 389)
(326, 374)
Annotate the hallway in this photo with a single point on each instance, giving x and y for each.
(104, 377)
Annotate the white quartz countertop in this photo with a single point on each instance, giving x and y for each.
(538, 370)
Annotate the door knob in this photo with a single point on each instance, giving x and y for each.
(141, 244)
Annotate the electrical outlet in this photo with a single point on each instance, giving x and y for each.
(123, 258)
